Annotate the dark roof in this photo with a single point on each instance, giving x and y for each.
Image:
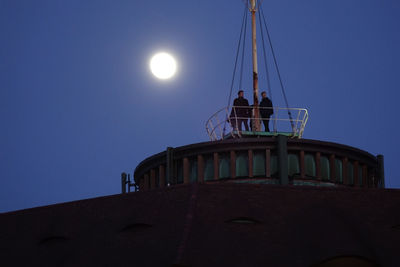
(208, 225)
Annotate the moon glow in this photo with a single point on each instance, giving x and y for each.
(163, 65)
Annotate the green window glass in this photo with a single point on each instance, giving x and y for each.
(208, 168)
(157, 178)
(293, 164)
(258, 163)
(166, 176)
(224, 166)
(193, 170)
(179, 168)
(309, 162)
(339, 170)
(147, 180)
(242, 165)
(325, 168)
(141, 183)
(350, 173)
(360, 175)
(274, 166)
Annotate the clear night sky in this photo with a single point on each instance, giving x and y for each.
(78, 104)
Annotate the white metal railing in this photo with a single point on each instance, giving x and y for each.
(230, 120)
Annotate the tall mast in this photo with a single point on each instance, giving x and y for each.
(256, 121)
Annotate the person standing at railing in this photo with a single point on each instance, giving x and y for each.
(266, 110)
(240, 112)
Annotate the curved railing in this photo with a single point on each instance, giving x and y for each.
(230, 121)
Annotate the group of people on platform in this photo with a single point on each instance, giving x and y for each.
(241, 111)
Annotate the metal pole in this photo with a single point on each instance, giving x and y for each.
(381, 171)
(129, 183)
(123, 183)
(256, 120)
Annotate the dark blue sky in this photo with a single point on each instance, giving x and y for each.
(78, 104)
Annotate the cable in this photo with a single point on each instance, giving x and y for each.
(243, 48)
(277, 69)
(265, 61)
(236, 59)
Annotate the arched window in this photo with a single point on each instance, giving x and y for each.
(347, 260)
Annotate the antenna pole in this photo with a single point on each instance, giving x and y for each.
(256, 120)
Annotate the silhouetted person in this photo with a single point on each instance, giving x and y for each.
(240, 112)
(266, 110)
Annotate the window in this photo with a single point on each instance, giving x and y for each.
(258, 163)
(208, 168)
(243, 220)
(339, 170)
(274, 166)
(224, 166)
(325, 168)
(309, 162)
(148, 180)
(350, 173)
(141, 183)
(193, 170)
(347, 260)
(242, 164)
(293, 165)
(157, 178)
(179, 168)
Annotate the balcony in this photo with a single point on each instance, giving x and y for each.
(226, 122)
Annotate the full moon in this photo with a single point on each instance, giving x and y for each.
(163, 65)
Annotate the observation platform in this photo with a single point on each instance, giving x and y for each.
(228, 122)
(249, 134)
(258, 157)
